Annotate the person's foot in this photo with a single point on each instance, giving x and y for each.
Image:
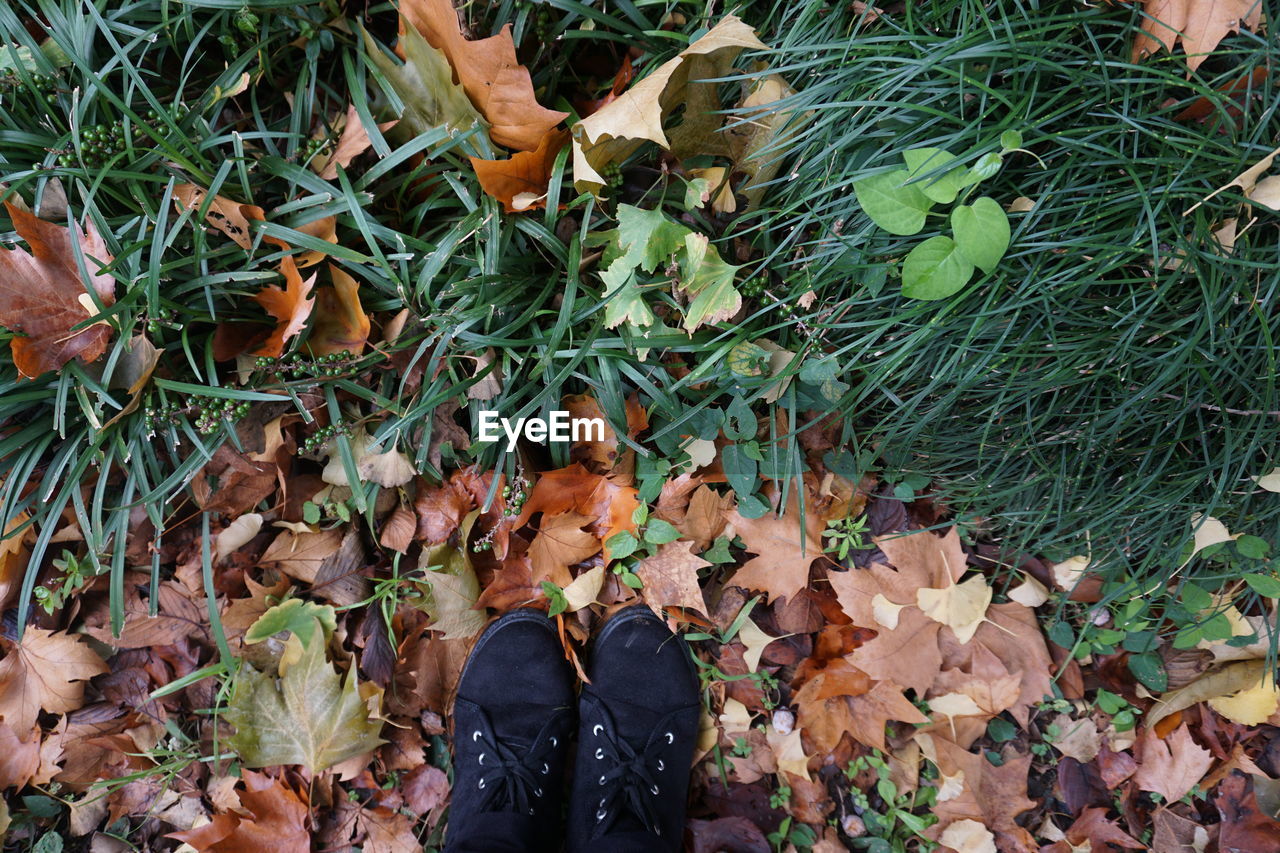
(638, 723)
(513, 718)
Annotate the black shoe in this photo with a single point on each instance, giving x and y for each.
(513, 718)
(638, 724)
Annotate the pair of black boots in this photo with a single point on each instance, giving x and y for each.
(515, 718)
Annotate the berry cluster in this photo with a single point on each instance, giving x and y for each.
(163, 413)
(214, 411)
(322, 436)
(313, 147)
(515, 499)
(45, 84)
(333, 364)
(544, 22)
(752, 287)
(100, 143)
(612, 174)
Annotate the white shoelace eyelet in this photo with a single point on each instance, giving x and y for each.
(661, 766)
(545, 768)
(480, 760)
(475, 736)
(599, 755)
(596, 729)
(654, 790)
(670, 737)
(481, 784)
(601, 780)
(602, 801)
(555, 742)
(600, 815)
(537, 792)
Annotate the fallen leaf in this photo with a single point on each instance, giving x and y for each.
(19, 759)
(1171, 766)
(1029, 593)
(425, 85)
(1200, 25)
(1246, 180)
(339, 323)
(310, 715)
(488, 71)
(300, 555)
(353, 140)
(454, 589)
(224, 214)
(1270, 482)
(237, 534)
(607, 502)
(620, 127)
(520, 181)
(1251, 705)
(584, 589)
(1231, 679)
(560, 543)
(968, 836)
(760, 131)
(291, 306)
(990, 795)
(46, 671)
(398, 529)
(272, 816)
(670, 578)
(1244, 828)
(961, 607)
(42, 295)
(784, 550)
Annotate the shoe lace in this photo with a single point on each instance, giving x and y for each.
(512, 778)
(628, 781)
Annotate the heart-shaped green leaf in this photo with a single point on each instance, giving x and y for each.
(982, 232)
(935, 269)
(896, 208)
(943, 187)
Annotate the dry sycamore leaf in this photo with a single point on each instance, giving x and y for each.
(607, 502)
(560, 543)
(670, 578)
(454, 589)
(520, 182)
(1173, 766)
(291, 307)
(980, 791)
(42, 295)
(784, 550)
(614, 131)
(46, 671)
(269, 815)
(962, 607)
(353, 140)
(310, 715)
(487, 69)
(398, 529)
(223, 214)
(761, 131)
(300, 555)
(237, 534)
(1247, 180)
(1201, 24)
(425, 85)
(1078, 739)
(339, 322)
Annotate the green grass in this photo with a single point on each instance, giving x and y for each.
(1084, 387)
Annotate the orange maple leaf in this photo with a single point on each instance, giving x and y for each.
(784, 550)
(291, 307)
(487, 69)
(596, 496)
(42, 294)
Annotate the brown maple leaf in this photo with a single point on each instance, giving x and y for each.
(440, 510)
(47, 670)
(1201, 24)
(273, 816)
(42, 295)
(991, 795)
(291, 306)
(1092, 830)
(609, 503)
(670, 578)
(488, 71)
(1245, 828)
(1171, 766)
(520, 181)
(560, 543)
(784, 550)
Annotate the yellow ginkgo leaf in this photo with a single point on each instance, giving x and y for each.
(961, 607)
(885, 611)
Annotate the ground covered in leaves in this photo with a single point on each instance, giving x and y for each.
(270, 262)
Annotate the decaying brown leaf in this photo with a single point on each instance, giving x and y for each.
(43, 296)
(46, 671)
(520, 181)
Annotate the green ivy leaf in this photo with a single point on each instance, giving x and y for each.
(709, 281)
(1265, 585)
(935, 269)
(739, 468)
(1149, 669)
(942, 188)
(982, 232)
(896, 208)
(659, 532)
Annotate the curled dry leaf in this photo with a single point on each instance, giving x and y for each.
(339, 322)
(271, 816)
(488, 71)
(290, 306)
(222, 213)
(520, 181)
(237, 534)
(613, 132)
(42, 294)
